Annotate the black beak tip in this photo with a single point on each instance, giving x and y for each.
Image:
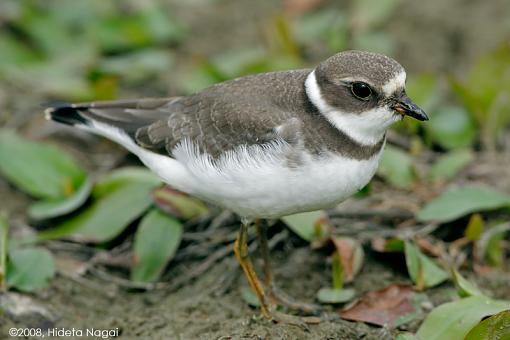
(406, 107)
(421, 116)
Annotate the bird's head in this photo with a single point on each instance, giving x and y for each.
(362, 94)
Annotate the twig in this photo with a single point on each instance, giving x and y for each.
(109, 292)
(220, 220)
(201, 236)
(201, 268)
(71, 247)
(125, 283)
(389, 214)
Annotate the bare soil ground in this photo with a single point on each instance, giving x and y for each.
(211, 307)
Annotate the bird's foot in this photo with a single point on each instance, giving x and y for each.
(279, 297)
(295, 320)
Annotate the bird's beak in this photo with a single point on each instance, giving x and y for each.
(406, 107)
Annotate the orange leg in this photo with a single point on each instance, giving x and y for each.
(242, 255)
(277, 296)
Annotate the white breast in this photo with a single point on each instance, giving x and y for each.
(255, 181)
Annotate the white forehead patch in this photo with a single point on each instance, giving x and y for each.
(397, 82)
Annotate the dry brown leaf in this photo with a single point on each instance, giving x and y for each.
(429, 248)
(300, 7)
(351, 256)
(382, 307)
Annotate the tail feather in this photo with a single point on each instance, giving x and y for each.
(121, 121)
(66, 114)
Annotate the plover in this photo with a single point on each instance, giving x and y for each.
(265, 145)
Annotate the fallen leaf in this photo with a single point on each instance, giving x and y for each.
(406, 336)
(422, 270)
(475, 227)
(121, 177)
(453, 320)
(494, 327)
(447, 166)
(452, 128)
(464, 287)
(118, 199)
(4, 235)
(178, 204)
(382, 307)
(351, 256)
(30, 269)
(458, 202)
(308, 225)
(156, 240)
(490, 248)
(57, 207)
(332, 295)
(40, 170)
(300, 7)
(397, 167)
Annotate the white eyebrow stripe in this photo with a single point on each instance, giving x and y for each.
(394, 83)
(352, 80)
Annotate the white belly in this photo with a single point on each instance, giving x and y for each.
(255, 182)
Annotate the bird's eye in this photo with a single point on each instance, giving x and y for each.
(361, 90)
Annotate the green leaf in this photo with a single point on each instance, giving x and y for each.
(54, 208)
(41, 170)
(475, 227)
(305, 224)
(323, 25)
(367, 14)
(453, 320)
(422, 270)
(108, 215)
(406, 336)
(494, 327)
(424, 90)
(49, 34)
(148, 27)
(488, 101)
(237, 62)
(375, 41)
(120, 177)
(451, 128)
(14, 53)
(490, 244)
(179, 204)
(30, 269)
(156, 240)
(139, 65)
(391, 245)
(332, 295)
(396, 167)
(464, 287)
(4, 235)
(450, 164)
(62, 76)
(458, 202)
(337, 272)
